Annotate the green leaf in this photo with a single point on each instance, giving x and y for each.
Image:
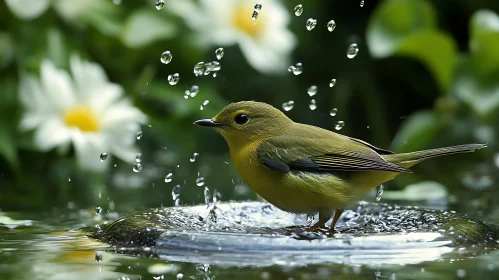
(484, 33)
(417, 132)
(436, 50)
(146, 26)
(393, 21)
(7, 49)
(8, 122)
(408, 28)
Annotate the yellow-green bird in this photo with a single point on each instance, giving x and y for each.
(301, 168)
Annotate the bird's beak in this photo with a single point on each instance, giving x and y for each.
(207, 122)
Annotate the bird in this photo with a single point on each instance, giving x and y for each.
(301, 168)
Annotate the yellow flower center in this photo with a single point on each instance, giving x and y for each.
(83, 118)
(243, 21)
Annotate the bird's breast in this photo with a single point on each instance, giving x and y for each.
(292, 191)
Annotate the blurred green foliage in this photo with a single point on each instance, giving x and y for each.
(423, 77)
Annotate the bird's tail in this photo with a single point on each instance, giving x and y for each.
(409, 159)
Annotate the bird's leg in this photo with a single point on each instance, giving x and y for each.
(337, 215)
(324, 216)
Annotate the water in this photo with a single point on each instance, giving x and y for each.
(312, 105)
(331, 25)
(339, 125)
(361, 3)
(310, 24)
(175, 192)
(287, 106)
(139, 135)
(199, 68)
(137, 167)
(203, 105)
(200, 181)
(193, 158)
(298, 10)
(103, 156)
(219, 53)
(332, 83)
(173, 79)
(50, 245)
(191, 92)
(352, 50)
(379, 192)
(296, 69)
(333, 112)
(169, 177)
(254, 15)
(166, 57)
(160, 4)
(312, 90)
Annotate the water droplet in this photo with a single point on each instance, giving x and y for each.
(332, 83)
(168, 177)
(219, 53)
(258, 7)
(311, 23)
(461, 273)
(331, 25)
(254, 16)
(199, 69)
(204, 104)
(180, 276)
(103, 156)
(173, 79)
(175, 192)
(139, 135)
(298, 10)
(217, 196)
(379, 192)
(98, 256)
(339, 125)
(206, 196)
(296, 69)
(212, 67)
(361, 3)
(333, 112)
(312, 90)
(193, 158)
(310, 219)
(166, 57)
(138, 158)
(137, 167)
(312, 105)
(69, 179)
(192, 92)
(117, 2)
(287, 106)
(200, 181)
(352, 50)
(98, 210)
(160, 4)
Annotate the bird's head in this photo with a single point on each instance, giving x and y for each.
(248, 121)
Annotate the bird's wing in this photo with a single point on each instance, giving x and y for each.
(317, 150)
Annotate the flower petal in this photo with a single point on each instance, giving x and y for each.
(88, 147)
(57, 86)
(120, 114)
(88, 77)
(31, 94)
(51, 133)
(27, 9)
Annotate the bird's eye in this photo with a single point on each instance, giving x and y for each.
(241, 119)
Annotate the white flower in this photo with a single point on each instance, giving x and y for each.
(265, 42)
(73, 11)
(86, 111)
